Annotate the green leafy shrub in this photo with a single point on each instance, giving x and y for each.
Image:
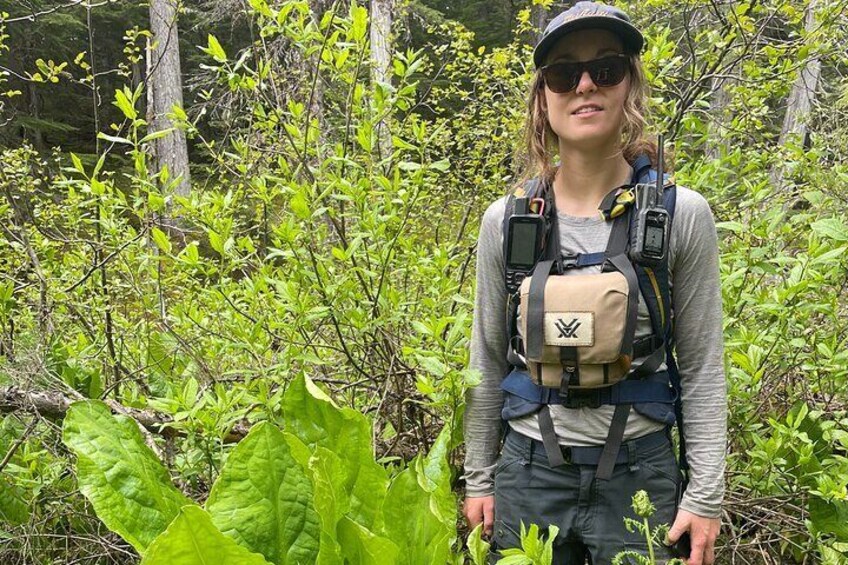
(309, 493)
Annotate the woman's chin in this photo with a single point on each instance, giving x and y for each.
(588, 139)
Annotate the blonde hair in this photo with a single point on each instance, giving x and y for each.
(541, 142)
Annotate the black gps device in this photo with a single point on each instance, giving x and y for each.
(524, 245)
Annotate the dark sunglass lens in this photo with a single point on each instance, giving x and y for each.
(608, 71)
(562, 77)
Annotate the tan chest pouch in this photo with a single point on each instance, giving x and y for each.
(587, 313)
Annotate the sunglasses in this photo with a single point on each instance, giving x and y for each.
(606, 71)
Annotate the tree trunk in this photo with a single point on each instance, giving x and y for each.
(717, 144)
(381, 58)
(164, 90)
(800, 100)
(136, 74)
(36, 137)
(539, 18)
(803, 93)
(316, 101)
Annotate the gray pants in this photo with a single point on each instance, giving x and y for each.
(589, 513)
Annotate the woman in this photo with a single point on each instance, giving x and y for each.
(591, 116)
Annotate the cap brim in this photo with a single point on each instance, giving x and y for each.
(629, 35)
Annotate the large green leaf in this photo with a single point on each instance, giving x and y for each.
(192, 539)
(411, 523)
(127, 485)
(420, 510)
(435, 476)
(342, 539)
(362, 546)
(263, 499)
(331, 501)
(316, 421)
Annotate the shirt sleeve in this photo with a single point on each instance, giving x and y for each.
(488, 357)
(699, 344)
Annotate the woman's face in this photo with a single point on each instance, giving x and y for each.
(596, 129)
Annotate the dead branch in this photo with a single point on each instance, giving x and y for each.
(54, 405)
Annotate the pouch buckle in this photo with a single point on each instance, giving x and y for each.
(569, 377)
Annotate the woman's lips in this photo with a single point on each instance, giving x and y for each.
(587, 114)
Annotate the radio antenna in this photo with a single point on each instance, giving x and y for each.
(660, 166)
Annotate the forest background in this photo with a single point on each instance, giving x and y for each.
(219, 213)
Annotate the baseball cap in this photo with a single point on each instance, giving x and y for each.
(585, 15)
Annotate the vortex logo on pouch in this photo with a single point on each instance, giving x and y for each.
(567, 330)
(570, 329)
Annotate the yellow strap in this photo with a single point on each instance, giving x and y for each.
(657, 292)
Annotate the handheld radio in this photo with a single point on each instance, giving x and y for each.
(649, 233)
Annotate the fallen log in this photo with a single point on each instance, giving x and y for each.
(54, 405)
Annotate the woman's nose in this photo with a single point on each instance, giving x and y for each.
(586, 83)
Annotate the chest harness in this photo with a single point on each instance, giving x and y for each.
(571, 338)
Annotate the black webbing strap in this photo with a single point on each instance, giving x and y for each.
(549, 438)
(536, 309)
(570, 370)
(625, 267)
(552, 245)
(619, 237)
(609, 200)
(513, 343)
(616, 253)
(512, 300)
(509, 209)
(613, 444)
(651, 364)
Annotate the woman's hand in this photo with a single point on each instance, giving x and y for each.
(480, 509)
(702, 532)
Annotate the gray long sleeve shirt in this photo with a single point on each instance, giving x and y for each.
(697, 314)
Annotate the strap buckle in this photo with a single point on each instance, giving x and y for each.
(583, 399)
(570, 377)
(567, 262)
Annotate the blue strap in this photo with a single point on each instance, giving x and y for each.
(581, 260)
(642, 172)
(655, 389)
(639, 165)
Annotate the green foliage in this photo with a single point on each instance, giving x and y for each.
(312, 243)
(534, 550)
(192, 539)
(654, 537)
(306, 495)
(125, 482)
(477, 546)
(13, 508)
